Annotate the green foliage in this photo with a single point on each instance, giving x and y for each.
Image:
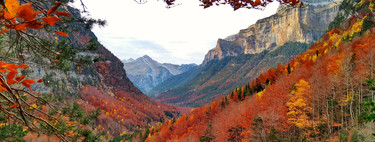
(76, 113)
(369, 105)
(12, 133)
(207, 137)
(92, 45)
(343, 136)
(335, 24)
(357, 136)
(367, 24)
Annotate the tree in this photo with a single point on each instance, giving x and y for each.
(299, 105)
(21, 108)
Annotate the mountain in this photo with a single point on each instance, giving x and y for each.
(234, 61)
(289, 24)
(323, 94)
(219, 77)
(147, 73)
(100, 83)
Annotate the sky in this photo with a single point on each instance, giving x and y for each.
(179, 35)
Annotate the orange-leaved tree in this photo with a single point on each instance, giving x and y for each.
(22, 22)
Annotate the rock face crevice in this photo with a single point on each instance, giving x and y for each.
(290, 24)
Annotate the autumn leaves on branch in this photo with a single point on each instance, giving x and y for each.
(22, 17)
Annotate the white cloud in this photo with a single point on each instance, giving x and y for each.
(182, 34)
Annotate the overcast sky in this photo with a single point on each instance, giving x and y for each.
(178, 35)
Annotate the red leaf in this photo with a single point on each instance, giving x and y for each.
(27, 83)
(40, 80)
(57, 62)
(54, 8)
(2, 89)
(3, 31)
(50, 20)
(34, 25)
(3, 70)
(20, 27)
(20, 78)
(62, 33)
(10, 66)
(63, 13)
(11, 75)
(13, 106)
(26, 12)
(23, 66)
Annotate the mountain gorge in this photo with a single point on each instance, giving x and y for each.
(146, 73)
(323, 94)
(240, 58)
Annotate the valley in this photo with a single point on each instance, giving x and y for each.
(305, 73)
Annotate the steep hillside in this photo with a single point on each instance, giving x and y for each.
(298, 24)
(97, 81)
(219, 77)
(323, 94)
(147, 73)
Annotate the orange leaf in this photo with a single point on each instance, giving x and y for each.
(13, 106)
(57, 62)
(23, 66)
(50, 20)
(27, 83)
(20, 78)
(3, 31)
(10, 66)
(61, 33)
(26, 12)
(63, 13)
(3, 70)
(54, 8)
(2, 89)
(12, 6)
(40, 80)
(20, 27)
(34, 25)
(7, 15)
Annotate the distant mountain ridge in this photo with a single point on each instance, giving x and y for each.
(147, 73)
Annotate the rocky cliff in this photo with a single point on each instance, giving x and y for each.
(290, 24)
(99, 84)
(147, 73)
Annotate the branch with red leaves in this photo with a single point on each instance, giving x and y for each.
(14, 96)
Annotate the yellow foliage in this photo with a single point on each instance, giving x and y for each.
(260, 94)
(314, 57)
(34, 106)
(299, 105)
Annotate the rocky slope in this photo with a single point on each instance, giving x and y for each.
(290, 24)
(147, 73)
(101, 84)
(241, 57)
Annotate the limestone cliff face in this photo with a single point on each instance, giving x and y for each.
(290, 24)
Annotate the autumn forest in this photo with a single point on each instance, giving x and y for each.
(59, 83)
